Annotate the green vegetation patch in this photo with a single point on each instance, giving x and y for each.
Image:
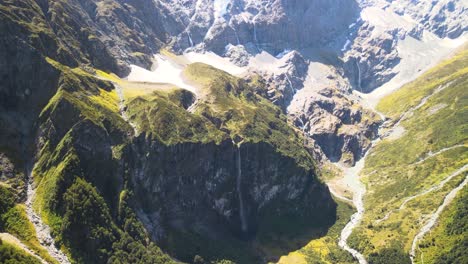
(448, 240)
(233, 105)
(163, 116)
(432, 147)
(11, 254)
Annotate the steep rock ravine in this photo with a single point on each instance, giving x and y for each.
(42, 230)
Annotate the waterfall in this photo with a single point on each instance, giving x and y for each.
(190, 39)
(237, 36)
(359, 75)
(290, 83)
(255, 35)
(239, 191)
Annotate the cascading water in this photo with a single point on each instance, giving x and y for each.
(359, 75)
(255, 33)
(290, 83)
(237, 36)
(190, 39)
(243, 219)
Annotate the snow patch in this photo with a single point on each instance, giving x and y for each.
(386, 19)
(166, 71)
(346, 45)
(220, 8)
(283, 53)
(216, 61)
(417, 56)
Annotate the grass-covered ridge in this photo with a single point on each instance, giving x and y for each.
(227, 108)
(80, 193)
(169, 122)
(239, 111)
(412, 93)
(431, 148)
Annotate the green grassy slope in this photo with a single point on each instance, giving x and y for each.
(82, 188)
(400, 167)
(448, 241)
(80, 193)
(11, 254)
(228, 109)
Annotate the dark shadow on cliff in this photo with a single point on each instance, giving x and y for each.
(188, 219)
(286, 234)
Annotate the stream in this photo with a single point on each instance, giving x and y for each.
(42, 230)
(433, 188)
(433, 218)
(123, 111)
(351, 178)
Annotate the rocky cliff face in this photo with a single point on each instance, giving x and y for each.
(84, 148)
(263, 25)
(374, 47)
(226, 168)
(444, 18)
(213, 191)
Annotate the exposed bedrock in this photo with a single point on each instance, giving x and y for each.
(191, 187)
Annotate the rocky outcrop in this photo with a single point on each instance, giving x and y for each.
(187, 181)
(283, 80)
(391, 31)
(107, 34)
(372, 60)
(269, 25)
(445, 18)
(340, 127)
(373, 53)
(216, 190)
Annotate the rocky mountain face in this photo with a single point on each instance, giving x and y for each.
(197, 198)
(270, 25)
(365, 43)
(444, 18)
(91, 34)
(165, 170)
(109, 193)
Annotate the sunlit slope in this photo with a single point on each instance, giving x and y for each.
(410, 172)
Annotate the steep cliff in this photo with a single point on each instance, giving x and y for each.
(271, 25)
(229, 169)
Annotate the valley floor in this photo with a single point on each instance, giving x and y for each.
(414, 175)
